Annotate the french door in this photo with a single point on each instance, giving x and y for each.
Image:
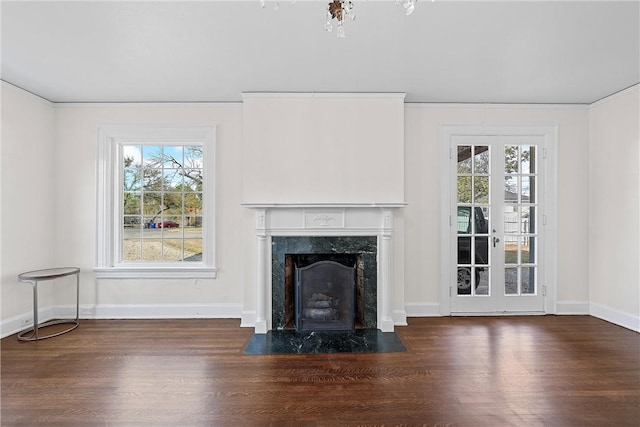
(496, 215)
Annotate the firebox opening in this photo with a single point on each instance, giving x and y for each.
(324, 291)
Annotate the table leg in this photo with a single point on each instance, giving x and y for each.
(35, 308)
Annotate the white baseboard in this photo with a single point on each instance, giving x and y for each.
(424, 309)
(248, 319)
(626, 320)
(123, 311)
(15, 324)
(572, 307)
(159, 311)
(399, 317)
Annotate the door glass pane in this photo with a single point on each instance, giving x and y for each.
(482, 282)
(464, 159)
(482, 250)
(464, 250)
(464, 219)
(527, 219)
(528, 254)
(528, 159)
(481, 160)
(511, 281)
(511, 159)
(464, 189)
(511, 189)
(511, 250)
(481, 219)
(464, 280)
(528, 190)
(481, 189)
(472, 225)
(528, 280)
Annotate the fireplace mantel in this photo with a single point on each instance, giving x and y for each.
(324, 219)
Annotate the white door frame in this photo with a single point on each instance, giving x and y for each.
(549, 218)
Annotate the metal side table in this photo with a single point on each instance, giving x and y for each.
(36, 276)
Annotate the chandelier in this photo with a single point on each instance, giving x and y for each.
(342, 9)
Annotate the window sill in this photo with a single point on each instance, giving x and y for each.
(156, 273)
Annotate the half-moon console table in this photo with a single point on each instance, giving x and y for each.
(36, 276)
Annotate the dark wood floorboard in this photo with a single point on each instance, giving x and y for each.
(494, 371)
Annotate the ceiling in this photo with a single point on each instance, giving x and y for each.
(212, 51)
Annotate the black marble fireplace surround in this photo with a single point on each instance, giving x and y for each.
(364, 248)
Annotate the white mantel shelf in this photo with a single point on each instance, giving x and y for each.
(323, 219)
(323, 205)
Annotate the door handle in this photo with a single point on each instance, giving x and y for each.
(495, 240)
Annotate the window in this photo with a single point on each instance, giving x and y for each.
(156, 210)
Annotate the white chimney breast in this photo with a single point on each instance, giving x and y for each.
(323, 148)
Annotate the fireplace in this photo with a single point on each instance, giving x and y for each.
(290, 235)
(324, 291)
(293, 255)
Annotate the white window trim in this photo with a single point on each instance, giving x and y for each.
(108, 209)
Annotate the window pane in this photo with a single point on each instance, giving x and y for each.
(172, 156)
(152, 250)
(193, 156)
(193, 179)
(172, 250)
(132, 226)
(152, 179)
(152, 156)
(131, 250)
(193, 250)
(132, 179)
(192, 204)
(152, 202)
(132, 203)
(172, 180)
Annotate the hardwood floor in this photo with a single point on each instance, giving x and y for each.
(494, 371)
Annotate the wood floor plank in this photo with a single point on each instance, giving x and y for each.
(491, 371)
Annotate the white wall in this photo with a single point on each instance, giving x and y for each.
(76, 126)
(28, 201)
(614, 193)
(422, 240)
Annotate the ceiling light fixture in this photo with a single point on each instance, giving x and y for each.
(342, 9)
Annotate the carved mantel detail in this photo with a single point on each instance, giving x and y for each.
(324, 220)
